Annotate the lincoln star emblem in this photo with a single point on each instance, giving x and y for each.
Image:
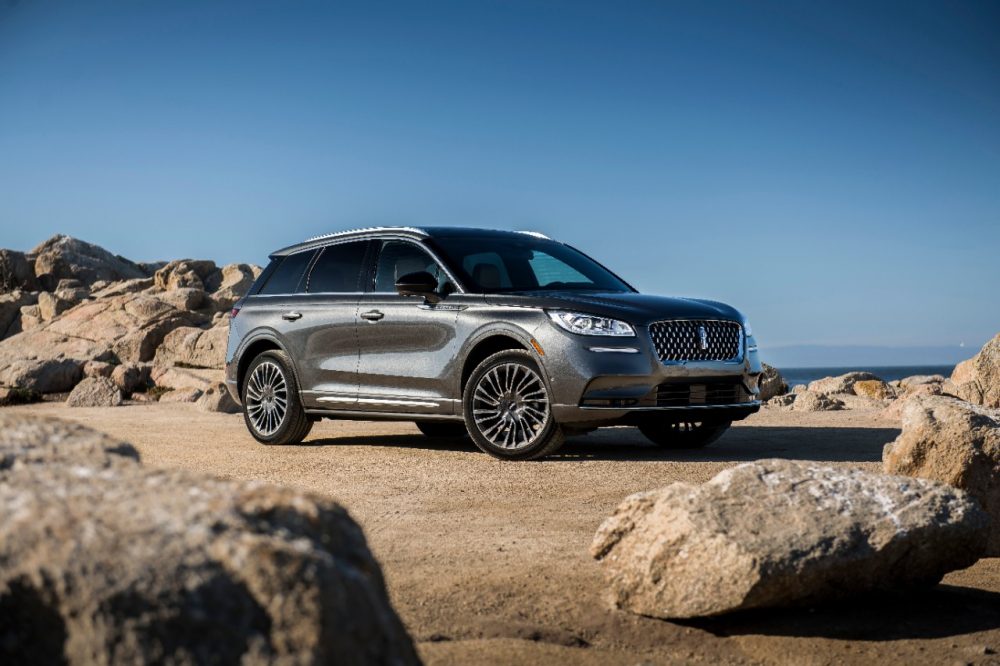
(702, 338)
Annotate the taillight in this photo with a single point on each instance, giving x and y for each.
(235, 312)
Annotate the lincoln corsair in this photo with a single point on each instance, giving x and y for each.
(510, 338)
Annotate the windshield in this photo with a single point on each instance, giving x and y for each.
(491, 264)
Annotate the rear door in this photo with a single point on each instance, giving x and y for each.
(326, 346)
(407, 347)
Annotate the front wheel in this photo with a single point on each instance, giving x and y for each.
(507, 407)
(683, 434)
(271, 406)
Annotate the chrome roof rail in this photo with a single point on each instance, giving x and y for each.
(346, 232)
(536, 234)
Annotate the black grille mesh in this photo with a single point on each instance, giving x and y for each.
(682, 340)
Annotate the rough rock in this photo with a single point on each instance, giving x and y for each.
(98, 369)
(105, 562)
(184, 298)
(65, 257)
(771, 383)
(126, 328)
(186, 378)
(18, 396)
(182, 395)
(131, 377)
(196, 347)
(781, 401)
(217, 399)
(32, 440)
(913, 381)
(799, 388)
(10, 308)
(95, 392)
(16, 272)
(813, 401)
(231, 283)
(851, 401)
(51, 306)
(41, 375)
(978, 379)
(873, 388)
(840, 384)
(783, 533)
(121, 288)
(955, 442)
(182, 273)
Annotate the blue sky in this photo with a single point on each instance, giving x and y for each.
(833, 169)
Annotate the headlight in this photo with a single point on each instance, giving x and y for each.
(583, 324)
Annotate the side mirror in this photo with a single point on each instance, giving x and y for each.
(420, 283)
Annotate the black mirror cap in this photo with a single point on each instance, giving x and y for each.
(420, 283)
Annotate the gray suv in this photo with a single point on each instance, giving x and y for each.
(511, 338)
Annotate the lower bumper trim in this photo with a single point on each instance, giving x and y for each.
(738, 405)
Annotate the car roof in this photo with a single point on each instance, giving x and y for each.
(406, 232)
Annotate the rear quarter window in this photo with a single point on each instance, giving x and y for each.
(286, 278)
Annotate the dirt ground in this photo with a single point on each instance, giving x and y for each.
(487, 561)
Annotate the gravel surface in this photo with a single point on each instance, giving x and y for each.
(487, 561)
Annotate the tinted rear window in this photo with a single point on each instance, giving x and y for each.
(288, 274)
(338, 269)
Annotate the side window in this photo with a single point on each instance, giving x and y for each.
(338, 269)
(398, 258)
(287, 277)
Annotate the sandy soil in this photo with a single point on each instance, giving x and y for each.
(487, 561)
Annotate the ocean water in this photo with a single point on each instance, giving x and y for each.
(805, 375)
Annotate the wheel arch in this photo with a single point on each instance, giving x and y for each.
(252, 351)
(484, 348)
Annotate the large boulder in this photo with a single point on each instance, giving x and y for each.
(231, 283)
(955, 442)
(217, 399)
(771, 383)
(51, 375)
(105, 562)
(781, 533)
(812, 401)
(16, 271)
(127, 328)
(65, 257)
(841, 383)
(172, 377)
(30, 440)
(978, 379)
(95, 392)
(10, 309)
(195, 347)
(184, 273)
(875, 389)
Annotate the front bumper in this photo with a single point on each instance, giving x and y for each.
(611, 385)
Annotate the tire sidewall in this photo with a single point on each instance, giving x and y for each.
(294, 403)
(551, 427)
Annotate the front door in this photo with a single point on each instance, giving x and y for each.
(407, 347)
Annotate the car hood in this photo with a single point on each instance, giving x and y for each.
(640, 309)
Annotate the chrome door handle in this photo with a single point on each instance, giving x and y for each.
(372, 315)
(291, 316)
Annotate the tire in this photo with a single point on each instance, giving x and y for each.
(270, 380)
(512, 386)
(443, 429)
(683, 434)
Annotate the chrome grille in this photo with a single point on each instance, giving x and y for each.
(696, 340)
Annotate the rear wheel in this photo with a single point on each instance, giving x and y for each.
(507, 407)
(683, 434)
(443, 429)
(271, 406)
